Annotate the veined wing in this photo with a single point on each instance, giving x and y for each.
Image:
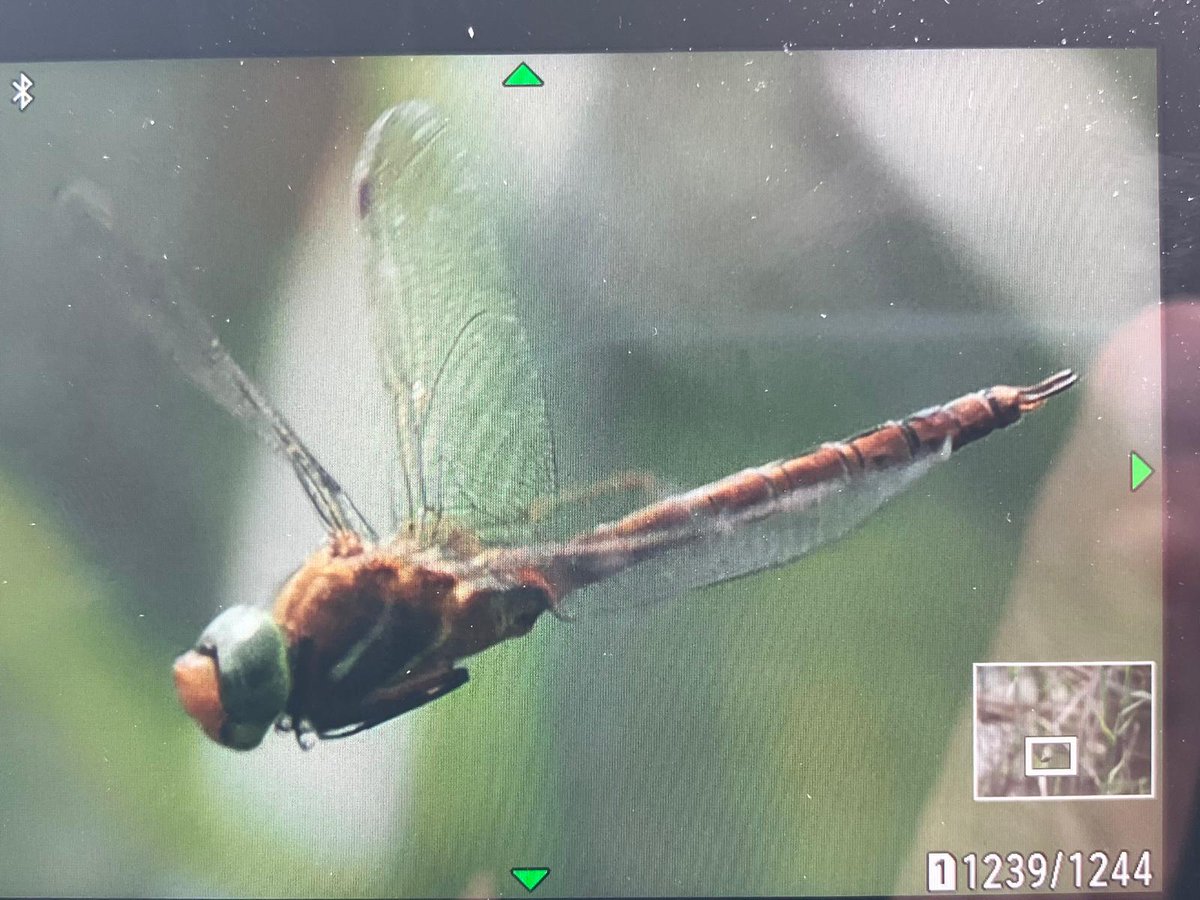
(691, 547)
(473, 435)
(769, 515)
(145, 291)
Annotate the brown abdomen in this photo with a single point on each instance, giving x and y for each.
(959, 422)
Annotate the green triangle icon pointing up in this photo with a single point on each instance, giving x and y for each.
(1139, 470)
(531, 878)
(523, 76)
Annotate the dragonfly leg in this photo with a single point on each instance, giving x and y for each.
(644, 485)
(556, 609)
(389, 702)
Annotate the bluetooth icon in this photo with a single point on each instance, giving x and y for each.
(22, 97)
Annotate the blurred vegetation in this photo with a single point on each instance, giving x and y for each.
(778, 734)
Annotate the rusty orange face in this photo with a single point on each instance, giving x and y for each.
(235, 682)
(198, 685)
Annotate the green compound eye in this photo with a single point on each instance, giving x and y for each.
(252, 680)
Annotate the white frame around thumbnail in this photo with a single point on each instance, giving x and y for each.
(975, 667)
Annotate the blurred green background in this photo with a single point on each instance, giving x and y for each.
(722, 259)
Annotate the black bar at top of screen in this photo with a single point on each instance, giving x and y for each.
(139, 29)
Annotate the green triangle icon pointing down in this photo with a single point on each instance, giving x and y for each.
(1139, 470)
(531, 878)
(523, 76)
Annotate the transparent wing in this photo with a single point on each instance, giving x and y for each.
(145, 291)
(686, 542)
(769, 515)
(474, 441)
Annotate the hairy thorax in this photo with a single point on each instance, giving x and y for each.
(360, 617)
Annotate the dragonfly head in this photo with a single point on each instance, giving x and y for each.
(236, 680)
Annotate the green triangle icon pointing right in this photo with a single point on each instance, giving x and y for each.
(1139, 470)
(523, 76)
(531, 878)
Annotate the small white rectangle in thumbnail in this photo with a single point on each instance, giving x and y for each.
(1056, 755)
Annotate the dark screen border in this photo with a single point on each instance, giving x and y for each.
(153, 29)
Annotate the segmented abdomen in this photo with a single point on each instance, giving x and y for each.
(836, 485)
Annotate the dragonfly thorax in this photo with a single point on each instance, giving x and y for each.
(371, 629)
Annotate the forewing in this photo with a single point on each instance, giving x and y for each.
(471, 419)
(145, 291)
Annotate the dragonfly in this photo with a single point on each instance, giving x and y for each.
(369, 628)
